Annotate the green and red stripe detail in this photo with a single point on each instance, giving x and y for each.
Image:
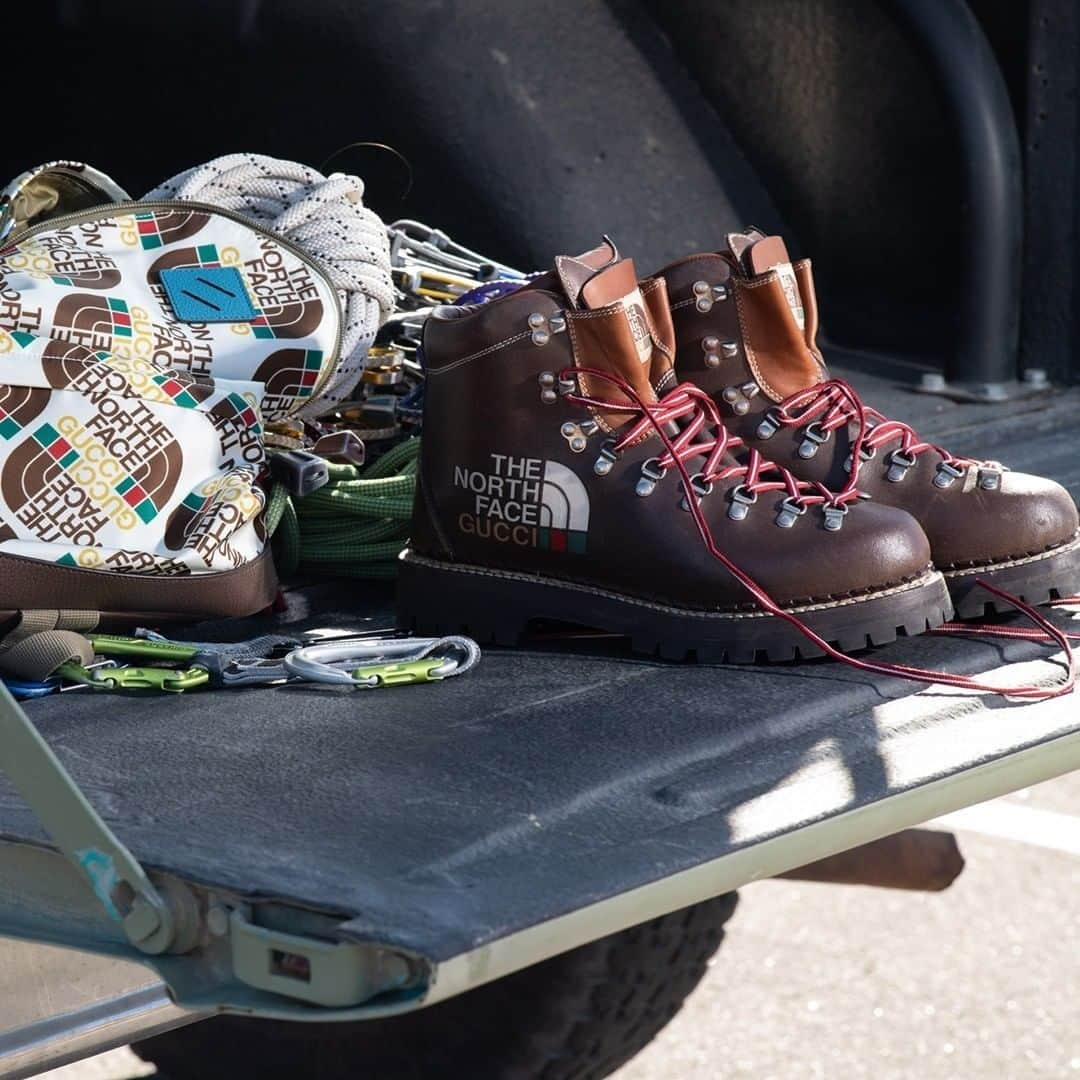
(120, 317)
(176, 390)
(65, 455)
(313, 361)
(562, 540)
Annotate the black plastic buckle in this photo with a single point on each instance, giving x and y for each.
(300, 472)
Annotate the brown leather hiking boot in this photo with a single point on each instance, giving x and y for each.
(542, 492)
(746, 325)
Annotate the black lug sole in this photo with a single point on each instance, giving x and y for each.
(497, 605)
(1036, 580)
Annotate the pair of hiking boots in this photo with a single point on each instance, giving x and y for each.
(669, 459)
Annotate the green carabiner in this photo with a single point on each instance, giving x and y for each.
(401, 673)
(189, 679)
(151, 678)
(121, 645)
(135, 678)
(73, 671)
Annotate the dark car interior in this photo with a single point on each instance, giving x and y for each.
(921, 153)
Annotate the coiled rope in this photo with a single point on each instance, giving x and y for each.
(323, 215)
(354, 526)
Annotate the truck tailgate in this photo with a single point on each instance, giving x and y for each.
(558, 792)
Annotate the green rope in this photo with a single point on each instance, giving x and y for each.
(354, 526)
(275, 507)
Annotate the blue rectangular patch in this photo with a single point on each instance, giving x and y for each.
(202, 294)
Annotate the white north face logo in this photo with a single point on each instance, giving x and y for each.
(526, 501)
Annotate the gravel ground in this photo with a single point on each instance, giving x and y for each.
(823, 981)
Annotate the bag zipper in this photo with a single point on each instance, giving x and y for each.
(110, 210)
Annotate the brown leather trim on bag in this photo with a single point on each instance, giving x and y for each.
(125, 599)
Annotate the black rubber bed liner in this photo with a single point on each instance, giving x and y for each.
(442, 818)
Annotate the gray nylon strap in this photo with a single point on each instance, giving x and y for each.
(45, 639)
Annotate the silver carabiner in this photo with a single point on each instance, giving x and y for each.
(382, 661)
(438, 246)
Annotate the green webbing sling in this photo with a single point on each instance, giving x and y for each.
(354, 526)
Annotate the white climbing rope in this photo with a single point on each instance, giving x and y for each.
(327, 218)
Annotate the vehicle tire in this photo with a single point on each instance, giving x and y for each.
(578, 1016)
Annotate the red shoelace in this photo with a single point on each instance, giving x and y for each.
(1021, 633)
(699, 413)
(834, 404)
(688, 400)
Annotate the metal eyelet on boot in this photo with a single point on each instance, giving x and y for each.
(738, 397)
(864, 456)
(989, 479)
(546, 379)
(834, 517)
(701, 486)
(790, 512)
(538, 324)
(947, 475)
(899, 463)
(709, 345)
(705, 295)
(651, 475)
(769, 426)
(741, 501)
(813, 438)
(606, 461)
(575, 435)
(543, 326)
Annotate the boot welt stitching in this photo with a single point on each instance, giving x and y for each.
(1020, 560)
(890, 590)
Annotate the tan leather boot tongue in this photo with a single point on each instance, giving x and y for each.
(778, 322)
(737, 243)
(612, 331)
(629, 346)
(771, 253)
(574, 270)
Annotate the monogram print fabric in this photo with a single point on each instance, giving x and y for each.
(96, 282)
(131, 438)
(112, 463)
